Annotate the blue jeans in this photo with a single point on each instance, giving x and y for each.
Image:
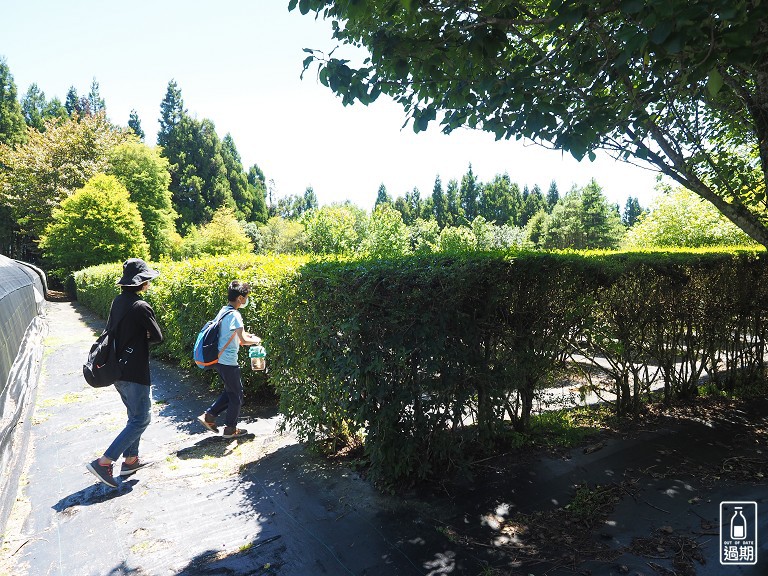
(231, 398)
(138, 403)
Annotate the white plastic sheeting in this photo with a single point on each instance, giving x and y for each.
(22, 329)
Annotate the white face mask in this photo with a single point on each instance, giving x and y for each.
(245, 304)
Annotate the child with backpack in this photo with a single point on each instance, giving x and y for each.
(231, 336)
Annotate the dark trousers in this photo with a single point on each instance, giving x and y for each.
(231, 399)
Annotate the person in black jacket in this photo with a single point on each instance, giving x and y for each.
(136, 328)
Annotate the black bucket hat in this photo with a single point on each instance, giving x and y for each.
(136, 272)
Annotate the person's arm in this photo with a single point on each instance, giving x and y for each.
(154, 334)
(247, 339)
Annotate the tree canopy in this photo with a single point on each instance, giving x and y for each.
(99, 216)
(12, 126)
(37, 175)
(206, 173)
(145, 174)
(583, 220)
(680, 219)
(677, 85)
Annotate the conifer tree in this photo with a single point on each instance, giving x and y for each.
(455, 214)
(72, 102)
(632, 212)
(532, 205)
(135, 124)
(171, 113)
(257, 181)
(96, 103)
(12, 125)
(33, 106)
(413, 199)
(382, 197)
(439, 203)
(468, 194)
(500, 201)
(243, 194)
(553, 196)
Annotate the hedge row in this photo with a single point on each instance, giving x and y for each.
(191, 292)
(422, 355)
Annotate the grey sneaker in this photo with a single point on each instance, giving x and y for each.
(128, 469)
(233, 432)
(103, 473)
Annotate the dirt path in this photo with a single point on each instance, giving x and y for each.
(648, 499)
(260, 505)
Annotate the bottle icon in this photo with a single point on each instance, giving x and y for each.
(738, 525)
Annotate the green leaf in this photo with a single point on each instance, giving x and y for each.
(674, 43)
(714, 82)
(662, 31)
(631, 6)
(401, 68)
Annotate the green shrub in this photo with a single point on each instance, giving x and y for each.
(190, 292)
(429, 358)
(97, 224)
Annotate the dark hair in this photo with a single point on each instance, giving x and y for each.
(133, 289)
(237, 288)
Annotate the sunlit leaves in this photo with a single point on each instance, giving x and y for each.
(646, 80)
(96, 224)
(49, 166)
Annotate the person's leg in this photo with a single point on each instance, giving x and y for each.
(233, 386)
(220, 404)
(138, 404)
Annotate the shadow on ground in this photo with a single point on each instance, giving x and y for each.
(643, 501)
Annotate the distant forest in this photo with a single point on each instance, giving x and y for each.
(51, 149)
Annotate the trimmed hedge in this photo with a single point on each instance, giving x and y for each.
(187, 294)
(423, 356)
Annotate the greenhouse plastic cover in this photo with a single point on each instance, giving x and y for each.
(22, 327)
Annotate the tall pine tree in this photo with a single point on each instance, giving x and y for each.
(199, 179)
(33, 107)
(12, 125)
(500, 201)
(532, 205)
(96, 103)
(469, 193)
(171, 113)
(440, 203)
(553, 196)
(455, 213)
(135, 125)
(242, 194)
(632, 212)
(72, 102)
(257, 181)
(382, 197)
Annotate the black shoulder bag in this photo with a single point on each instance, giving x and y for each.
(102, 368)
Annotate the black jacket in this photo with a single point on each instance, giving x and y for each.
(136, 329)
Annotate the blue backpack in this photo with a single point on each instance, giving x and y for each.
(206, 352)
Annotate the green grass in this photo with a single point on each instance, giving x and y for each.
(566, 428)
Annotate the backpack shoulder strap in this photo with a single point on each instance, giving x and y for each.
(113, 323)
(220, 316)
(231, 337)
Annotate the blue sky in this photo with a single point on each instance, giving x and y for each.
(238, 63)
